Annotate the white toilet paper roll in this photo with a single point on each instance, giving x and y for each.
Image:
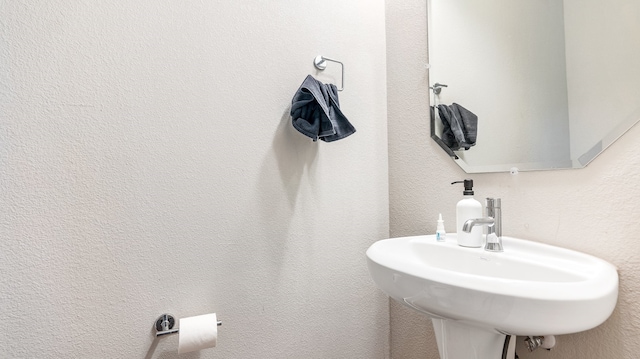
(196, 333)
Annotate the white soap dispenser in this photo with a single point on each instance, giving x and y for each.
(468, 208)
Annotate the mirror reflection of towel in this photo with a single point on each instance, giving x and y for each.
(315, 112)
(460, 126)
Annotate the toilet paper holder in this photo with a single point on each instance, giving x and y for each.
(165, 323)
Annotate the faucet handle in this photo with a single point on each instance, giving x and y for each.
(493, 202)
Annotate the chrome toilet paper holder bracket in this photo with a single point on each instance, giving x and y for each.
(165, 323)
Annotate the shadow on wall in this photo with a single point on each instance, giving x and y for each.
(292, 154)
(172, 354)
(281, 180)
(590, 341)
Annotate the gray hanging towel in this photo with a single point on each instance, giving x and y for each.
(470, 123)
(315, 112)
(448, 137)
(460, 126)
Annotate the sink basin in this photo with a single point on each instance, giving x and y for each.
(529, 289)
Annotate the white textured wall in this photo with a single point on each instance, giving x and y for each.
(594, 210)
(411, 202)
(147, 165)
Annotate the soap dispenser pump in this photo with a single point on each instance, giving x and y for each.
(466, 209)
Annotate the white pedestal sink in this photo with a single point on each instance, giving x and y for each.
(476, 298)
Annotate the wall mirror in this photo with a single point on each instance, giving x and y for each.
(552, 82)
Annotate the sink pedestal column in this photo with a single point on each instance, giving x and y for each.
(460, 341)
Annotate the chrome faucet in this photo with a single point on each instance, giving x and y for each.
(494, 225)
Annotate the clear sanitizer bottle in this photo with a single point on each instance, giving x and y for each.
(468, 208)
(441, 234)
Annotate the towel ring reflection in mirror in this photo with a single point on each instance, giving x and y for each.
(320, 62)
(437, 88)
